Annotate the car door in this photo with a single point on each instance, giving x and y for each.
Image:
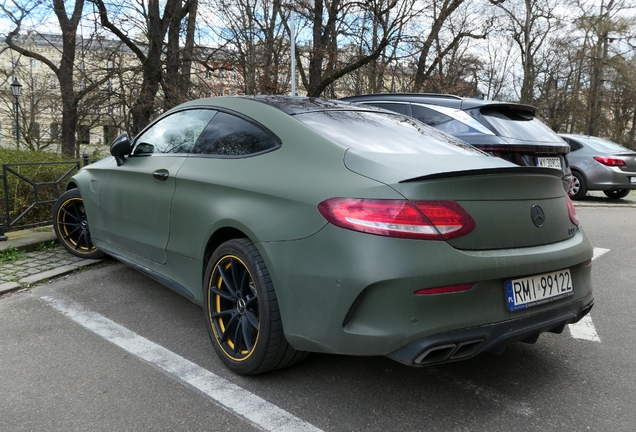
(136, 198)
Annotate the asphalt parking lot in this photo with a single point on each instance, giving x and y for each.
(107, 348)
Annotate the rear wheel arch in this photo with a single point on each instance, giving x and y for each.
(219, 237)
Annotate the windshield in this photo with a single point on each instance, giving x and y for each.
(383, 133)
(519, 124)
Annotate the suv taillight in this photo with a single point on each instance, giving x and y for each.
(425, 220)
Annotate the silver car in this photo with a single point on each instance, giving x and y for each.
(599, 164)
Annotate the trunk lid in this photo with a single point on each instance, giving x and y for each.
(505, 201)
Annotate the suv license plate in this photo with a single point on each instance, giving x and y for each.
(549, 162)
(535, 290)
(632, 179)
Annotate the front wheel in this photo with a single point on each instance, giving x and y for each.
(71, 226)
(241, 311)
(617, 194)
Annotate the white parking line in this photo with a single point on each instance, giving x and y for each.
(252, 408)
(585, 329)
(598, 252)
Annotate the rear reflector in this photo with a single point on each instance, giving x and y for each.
(443, 290)
(426, 220)
(609, 161)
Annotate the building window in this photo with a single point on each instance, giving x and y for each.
(34, 131)
(55, 131)
(110, 133)
(83, 134)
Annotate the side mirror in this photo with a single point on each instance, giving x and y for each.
(120, 148)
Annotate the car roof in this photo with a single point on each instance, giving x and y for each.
(293, 105)
(439, 99)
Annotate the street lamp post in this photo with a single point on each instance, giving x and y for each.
(16, 87)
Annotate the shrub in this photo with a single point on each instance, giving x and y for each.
(21, 194)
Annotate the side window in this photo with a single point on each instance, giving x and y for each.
(574, 146)
(429, 116)
(176, 133)
(229, 135)
(400, 108)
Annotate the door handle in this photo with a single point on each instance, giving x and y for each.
(161, 174)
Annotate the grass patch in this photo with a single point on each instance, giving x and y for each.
(11, 254)
(47, 246)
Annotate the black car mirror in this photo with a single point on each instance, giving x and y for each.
(120, 148)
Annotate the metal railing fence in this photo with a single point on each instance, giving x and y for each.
(41, 193)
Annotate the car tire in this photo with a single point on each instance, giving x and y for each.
(241, 311)
(71, 226)
(578, 187)
(617, 194)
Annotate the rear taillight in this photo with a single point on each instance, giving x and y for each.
(574, 217)
(426, 220)
(609, 161)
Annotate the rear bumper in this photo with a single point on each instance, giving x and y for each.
(605, 178)
(466, 343)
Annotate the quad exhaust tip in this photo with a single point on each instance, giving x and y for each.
(447, 352)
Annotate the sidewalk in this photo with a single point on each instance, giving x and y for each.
(42, 259)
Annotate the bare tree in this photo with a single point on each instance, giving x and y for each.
(64, 68)
(433, 46)
(529, 22)
(160, 35)
(340, 42)
(253, 41)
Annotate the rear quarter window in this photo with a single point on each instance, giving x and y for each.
(230, 135)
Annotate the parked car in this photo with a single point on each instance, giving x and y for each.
(507, 130)
(599, 164)
(308, 225)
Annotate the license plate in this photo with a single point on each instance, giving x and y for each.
(549, 162)
(632, 179)
(531, 291)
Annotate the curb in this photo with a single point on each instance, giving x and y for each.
(26, 282)
(27, 240)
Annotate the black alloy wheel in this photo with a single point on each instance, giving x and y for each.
(71, 226)
(241, 311)
(617, 194)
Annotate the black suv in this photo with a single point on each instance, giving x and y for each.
(507, 130)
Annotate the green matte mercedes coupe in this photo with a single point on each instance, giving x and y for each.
(310, 225)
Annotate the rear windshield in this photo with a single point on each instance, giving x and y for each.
(383, 133)
(601, 145)
(520, 125)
